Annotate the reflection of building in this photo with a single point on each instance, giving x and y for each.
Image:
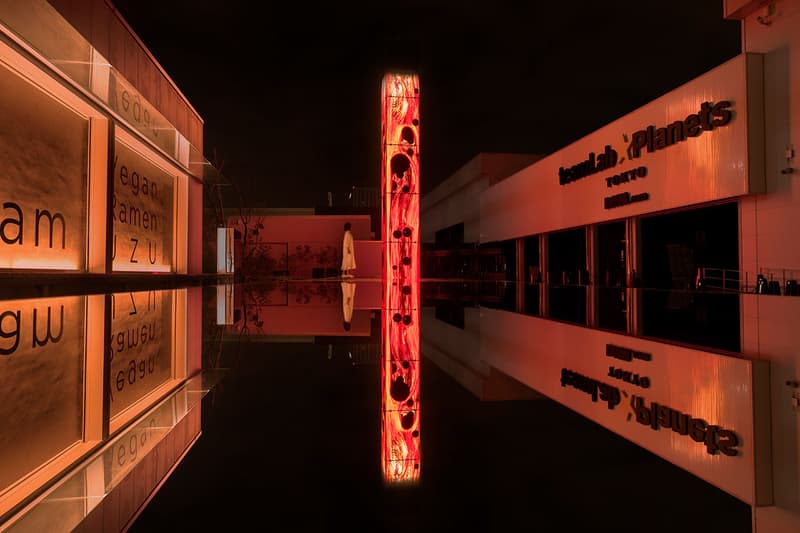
(302, 309)
(636, 252)
(98, 409)
(101, 180)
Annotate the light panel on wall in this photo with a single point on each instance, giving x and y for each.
(43, 177)
(143, 207)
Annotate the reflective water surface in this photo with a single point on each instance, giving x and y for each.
(292, 436)
(321, 407)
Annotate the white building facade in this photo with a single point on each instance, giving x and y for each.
(656, 277)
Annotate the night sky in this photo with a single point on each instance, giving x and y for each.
(290, 95)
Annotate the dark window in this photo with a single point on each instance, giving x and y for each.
(497, 273)
(611, 277)
(450, 236)
(567, 275)
(533, 275)
(677, 249)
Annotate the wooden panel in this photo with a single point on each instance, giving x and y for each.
(72, 12)
(110, 507)
(125, 495)
(180, 118)
(144, 73)
(172, 105)
(100, 33)
(116, 53)
(191, 129)
(132, 52)
(101, 25)
(93, 523)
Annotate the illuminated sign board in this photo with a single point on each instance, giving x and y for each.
(42, 361)
(649, 139)
(43, 179)
(143, 210)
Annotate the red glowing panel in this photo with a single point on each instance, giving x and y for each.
(400, 234)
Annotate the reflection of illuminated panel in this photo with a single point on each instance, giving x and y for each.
(140, 346)
(42, 361)
(400, 230)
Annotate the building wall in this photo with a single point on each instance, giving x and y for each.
(102, 25)
(457, 199)
(454, 201)
(297, 244)
(714, 165)
(155, 136)
(79, 142)
(766, 225)
(749, 160)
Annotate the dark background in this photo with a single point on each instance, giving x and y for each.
(290, 91)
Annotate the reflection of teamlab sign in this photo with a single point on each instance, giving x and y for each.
(626, 354)
(596, 389)
(715, 438)
(656, 416)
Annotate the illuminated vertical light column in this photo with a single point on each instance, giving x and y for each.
(400, 444)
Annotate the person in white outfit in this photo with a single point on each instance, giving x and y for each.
(348, 301)
(348, 253)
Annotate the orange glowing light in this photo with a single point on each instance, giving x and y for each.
(400, 444)
(45, 264)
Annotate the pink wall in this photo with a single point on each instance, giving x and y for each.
(309, 228)
(300, 244)
(369, 259)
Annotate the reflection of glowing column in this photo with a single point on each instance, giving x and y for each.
(400, 234)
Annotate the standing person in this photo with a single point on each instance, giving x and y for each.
(348, 253)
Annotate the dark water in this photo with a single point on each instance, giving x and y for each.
(291, 441)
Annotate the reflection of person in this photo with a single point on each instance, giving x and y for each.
(348, 297)
(348, 253)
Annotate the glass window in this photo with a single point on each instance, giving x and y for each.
(497, 263)
(677, 249)
(567, 275)
(533, 275)
(611, 277)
